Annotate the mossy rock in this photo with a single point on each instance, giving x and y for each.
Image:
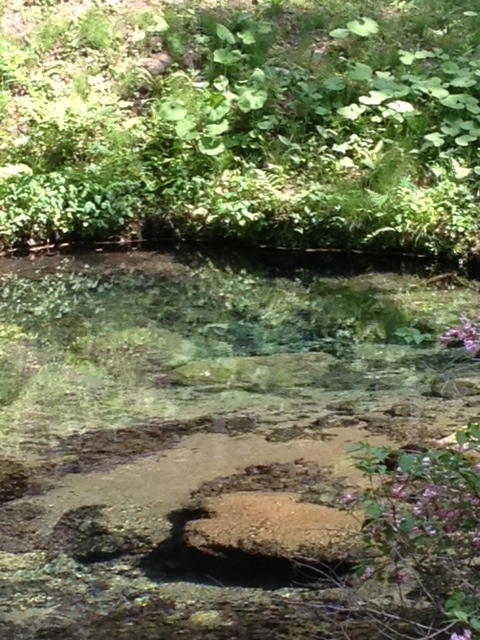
(260, 373)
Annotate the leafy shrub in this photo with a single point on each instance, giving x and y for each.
(421, 530)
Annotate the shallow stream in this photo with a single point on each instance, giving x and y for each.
(137, 386)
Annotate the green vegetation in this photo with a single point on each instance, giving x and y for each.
(100, 346)
(332, 124)
(422, 533)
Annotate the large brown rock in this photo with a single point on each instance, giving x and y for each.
(275, 524)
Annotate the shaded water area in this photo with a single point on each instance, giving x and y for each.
(175, 430)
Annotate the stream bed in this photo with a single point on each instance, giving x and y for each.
(175, 431)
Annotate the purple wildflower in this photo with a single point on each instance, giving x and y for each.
(465, 635)
(468, 335)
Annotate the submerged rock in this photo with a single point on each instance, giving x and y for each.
(96, 532)
(14, 480)
(456, 387)
(258, 372)
(275, 524)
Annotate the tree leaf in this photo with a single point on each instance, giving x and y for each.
(225, 34)
(360, 72)
(364, 27)
(172, 111)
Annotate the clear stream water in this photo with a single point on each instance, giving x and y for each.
(260, 347)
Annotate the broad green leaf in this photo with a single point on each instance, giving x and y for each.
(454, 101)
(213, 130)
(423, 54)
(450, 130)
(375, 98)
(406, 57)
(360, 72)
(227, 57)
(341, 148)
(468, 124)
(225, 34)
(450, 68)
(264, 28)
(465, 140)
(258, 77)
(435, 138)
(284, 140)
(438, 92)
(211, 146)
(160, 26)
(172, 111)
(400, 106)
(268, 123)
(363, 27)
(352, 111)
(251, 100)
(463, 81)
(247, 37)
(334, 83)
(391, 87)
(184, 127)
(218, 112)
(338, 34)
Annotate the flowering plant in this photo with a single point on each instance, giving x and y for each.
(422, 529)
(468, 335)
